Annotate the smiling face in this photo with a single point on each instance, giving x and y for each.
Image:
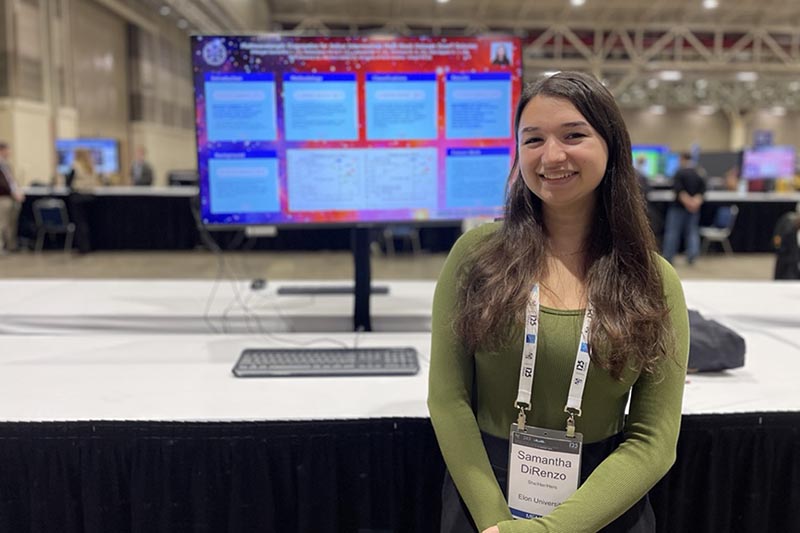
(562, 158)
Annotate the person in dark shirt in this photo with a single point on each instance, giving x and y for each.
(141, 170)
(683, 216)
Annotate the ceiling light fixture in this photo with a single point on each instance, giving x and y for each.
(710, 4)
(670, 75)
(747, 76)
(165, 10)
(577, 3)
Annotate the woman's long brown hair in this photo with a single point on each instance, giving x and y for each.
(622, 277)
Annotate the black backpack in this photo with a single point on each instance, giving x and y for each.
(713, 347)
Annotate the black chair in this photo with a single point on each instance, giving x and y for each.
(51, 218)
(404, 232)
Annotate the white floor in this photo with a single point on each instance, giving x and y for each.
(200, 264)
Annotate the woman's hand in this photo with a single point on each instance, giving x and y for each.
(493, 529)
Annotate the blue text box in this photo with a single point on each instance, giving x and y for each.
(401, 106)
(478, 106)
(476, 177)
(240, 107)
(320, 107)
(243, 182)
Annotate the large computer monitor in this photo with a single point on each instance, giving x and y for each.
(105, 153)
(352, 130)
(294, 131)
(768, 162)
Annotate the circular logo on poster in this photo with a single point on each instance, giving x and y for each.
(215, 53)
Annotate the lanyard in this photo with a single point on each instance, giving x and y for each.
(579, 371)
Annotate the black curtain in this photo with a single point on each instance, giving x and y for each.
(360, 476)
(734, 473)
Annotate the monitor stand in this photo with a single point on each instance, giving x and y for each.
(326, 290)
(362, 288)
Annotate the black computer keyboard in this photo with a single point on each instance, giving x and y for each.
(273, 362)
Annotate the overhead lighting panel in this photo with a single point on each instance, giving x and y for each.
(670, 75)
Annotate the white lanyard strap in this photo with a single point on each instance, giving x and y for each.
(581, 368)
(526, 371)
(529, 351)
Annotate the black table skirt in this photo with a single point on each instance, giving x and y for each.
(150, 222)
(734, 473)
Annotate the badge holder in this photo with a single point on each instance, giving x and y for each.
(544, 467)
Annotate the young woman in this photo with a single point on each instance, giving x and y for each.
(576, 231)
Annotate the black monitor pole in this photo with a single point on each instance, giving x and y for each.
(363, 278)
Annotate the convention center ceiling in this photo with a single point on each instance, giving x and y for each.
(731, 55)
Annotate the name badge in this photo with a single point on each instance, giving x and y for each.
(544, 469)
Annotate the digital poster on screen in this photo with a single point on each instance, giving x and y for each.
(353, 129)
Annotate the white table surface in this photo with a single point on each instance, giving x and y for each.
(64, 306)
(188, 378)
(180, 377)
(98, 350)
(750, 304)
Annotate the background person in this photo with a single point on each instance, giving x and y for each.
(575, 225)
(82, 183)
(141, 170)
(683, 216)
(11, 198)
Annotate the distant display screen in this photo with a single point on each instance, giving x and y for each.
(671, 163)
(769, 162)
(648, 159)
(105, 153)
(294, 130)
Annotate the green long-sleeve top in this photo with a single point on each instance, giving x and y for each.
(651, 428)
